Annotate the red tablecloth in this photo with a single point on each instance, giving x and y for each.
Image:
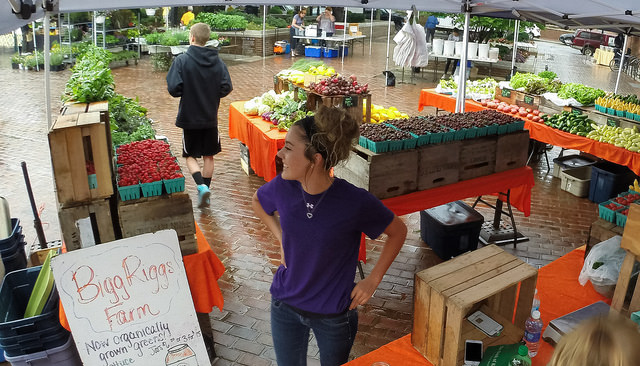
(430, 98)
(262, 139)
(203, 271)
(559, 291)
(519, 180)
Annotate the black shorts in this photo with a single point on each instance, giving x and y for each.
(198, 143)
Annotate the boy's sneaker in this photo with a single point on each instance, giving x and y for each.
(203, 195)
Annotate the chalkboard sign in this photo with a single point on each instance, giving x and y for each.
(528, 99)
(613, 122)
(275, 80)
(349, 101)
(128, 303)
(506, 93)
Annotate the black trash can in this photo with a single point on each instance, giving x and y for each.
(451, 229)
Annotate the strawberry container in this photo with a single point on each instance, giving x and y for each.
(377, 147)
(621, 219)
(151, 189)
(609, 214)
(174, 185)
(131, 192)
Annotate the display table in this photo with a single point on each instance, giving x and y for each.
(559, 291)
(349, 40)
(603, 57)
(457, 58)
(203, 271)
(261, 137)
(431, 98)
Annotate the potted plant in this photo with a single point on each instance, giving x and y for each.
(55, 61)
(16, 60)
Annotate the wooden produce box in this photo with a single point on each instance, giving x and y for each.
(353, 104)
(506, 95)
(445, 295)
(512, 150)
(151, 214)
(383, 175)
(75, 140)
(95, 226)
(477, 157)
(438, 165)
(280, 85)
(527, 100)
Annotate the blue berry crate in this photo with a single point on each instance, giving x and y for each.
(611, 111)
(436, 138)
(377, 147)
(459, 135)
(607, 213)
(516, 126)
(174, 185)
(492, 129)
(93, 181)
(448, 136)
(482, 131)
(472, 133)
(362, 141)
(424, 139)
(502, 129)
(621, 219)
(411, 143)
(151, 189)
(131, 192)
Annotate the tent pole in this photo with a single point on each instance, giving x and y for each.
(264, 31)
(35, 45)
(344, 35)
(515, 47)
(624, 51)
(47, 71)
(371, 33)
(462, 75)
(386, 67)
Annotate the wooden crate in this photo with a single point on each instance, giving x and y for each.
(73, 108)
(506, 95)
(438, 165)
(74, 140)
(477, 157)
(383, 175)
(353, 104)
(151, 214)
(527, 100)
(489, 279)
(96, 230)
(512, 150)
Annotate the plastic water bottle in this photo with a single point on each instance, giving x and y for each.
(522, 359)
(532, 332)
(536, 302)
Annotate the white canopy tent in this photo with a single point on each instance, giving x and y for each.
(621, 15)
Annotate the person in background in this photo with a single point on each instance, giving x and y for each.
(318, 220)
(618, 42)
(200, 79)
(469, 66)
(326, 21)
(454, 36)
(187, 17)
(430, 27)
(296, 24)
(608, 340)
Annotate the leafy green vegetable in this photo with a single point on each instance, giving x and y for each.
(583, 94)
(548, 75)
(91, 78)
(520, 80)
(304, 64)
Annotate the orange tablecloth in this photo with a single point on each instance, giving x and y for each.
(553, 136)
(203, 271)
(262, 139)
(430, 98)
(519, 180)
(559, 291)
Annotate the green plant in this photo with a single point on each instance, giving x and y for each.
(55, 58)
(76, 34)
(221, 21)
(161, 61)
(111, 39)
(548, 74)
(122, 18)
(16, 58)
(91, 78)
(152, 38)
(254, 26)
(124, 55)
(133, 33)
(80, 17)
(275, 10)
(277, 22)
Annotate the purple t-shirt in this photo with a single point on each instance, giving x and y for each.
(322, 252)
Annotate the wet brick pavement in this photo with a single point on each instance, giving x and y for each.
(558, 223)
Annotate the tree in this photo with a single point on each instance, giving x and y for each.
(484, 28)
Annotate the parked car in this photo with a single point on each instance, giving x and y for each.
(533, 31)
(588, 41)
(567, 38)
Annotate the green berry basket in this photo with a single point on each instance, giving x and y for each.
(174, 185)
(151, 189)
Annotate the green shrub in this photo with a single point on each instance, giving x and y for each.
(275, 10)
(16, 58)
(222, 21)
(91, 78)
(152, 38)
(277, 22)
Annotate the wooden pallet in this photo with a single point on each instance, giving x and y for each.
(487, 279)
(383, 175)
(75, 139)
(438, 165)
(97, 229)
(151, 214)
(477, 157)
(353, 104)
(511, 150)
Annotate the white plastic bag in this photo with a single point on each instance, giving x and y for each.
(607, 257)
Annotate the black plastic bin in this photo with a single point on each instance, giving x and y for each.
(607, 180)
(12, 249)
(451, 229)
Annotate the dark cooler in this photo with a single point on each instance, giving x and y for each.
(451, 229)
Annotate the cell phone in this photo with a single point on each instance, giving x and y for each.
(489, 326)
(472, 352)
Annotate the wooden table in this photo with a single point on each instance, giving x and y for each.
(261, 137)
(560, 293)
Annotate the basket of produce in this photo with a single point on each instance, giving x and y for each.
(607, 210)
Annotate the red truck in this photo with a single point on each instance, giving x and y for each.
(588, 41)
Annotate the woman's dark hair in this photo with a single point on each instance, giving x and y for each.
(331, 132)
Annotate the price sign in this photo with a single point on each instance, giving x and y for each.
(275, 80)
(576, 111)
(613, 122)
(349, 101)
(506, 93)
(528, 99)
(128, 302)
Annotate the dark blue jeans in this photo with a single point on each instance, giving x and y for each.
(290, 332)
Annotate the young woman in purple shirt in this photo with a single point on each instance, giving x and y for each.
(318, 219)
